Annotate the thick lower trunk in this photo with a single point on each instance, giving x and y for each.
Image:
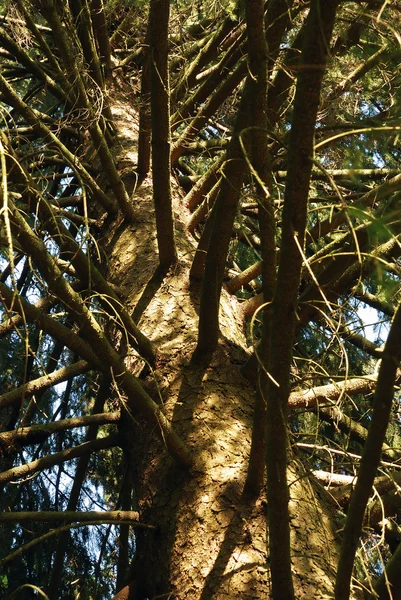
(211, 541)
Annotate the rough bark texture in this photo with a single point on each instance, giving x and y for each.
(209, 542)
(164, 340)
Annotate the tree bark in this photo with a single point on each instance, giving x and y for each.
(209, 542)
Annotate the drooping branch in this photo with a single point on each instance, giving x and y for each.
(42, 383)
(343, 453)
(361, 70)
(216, 77)
(108, 358)
(365, 202)
(46, 462)
(338, 268)
(374, 301)
(383, 484)
(201, 213)
(84, 27)
(240, 280)
(223, 91)
(80, 95)
(250, 306)
(360, 341)
(346, 174)
(205, 148)
(39, 32)
(333, 479)
(80, 475)
(38, 433)
(53, 327)
(203, 186)
(353, 429)
(15, 321)
(123, 28)
(88, 273)
(12, 98)
(207, 53)
(32, 66)
(109, 517)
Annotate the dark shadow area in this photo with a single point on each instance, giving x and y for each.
(234, 532)
(148, 293)
(173, 481)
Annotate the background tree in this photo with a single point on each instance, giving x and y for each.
(200, 215)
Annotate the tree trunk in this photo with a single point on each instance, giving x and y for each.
(210, 540)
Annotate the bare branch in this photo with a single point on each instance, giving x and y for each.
(42, 383)
(46, 462)
(112, 516)
(38, 433)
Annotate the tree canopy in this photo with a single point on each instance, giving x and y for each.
(200, 322)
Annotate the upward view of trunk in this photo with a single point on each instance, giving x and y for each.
(200, 323)
(210, 540)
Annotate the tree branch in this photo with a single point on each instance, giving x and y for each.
(382, 404)
(42, 383)
(318, 29)
(112, 516)
(331, 393)
(59, 457)
(108, 358)
(38, 433)
(224, 211)
(160, 105)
